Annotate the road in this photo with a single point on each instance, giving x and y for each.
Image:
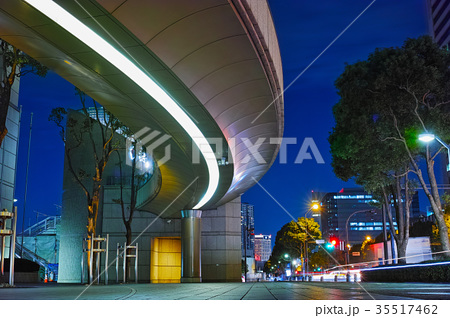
(232, 291)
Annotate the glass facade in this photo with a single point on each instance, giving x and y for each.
(352, 205)
(247, 228)
(263, 247)
(9, 149)
(439, 20)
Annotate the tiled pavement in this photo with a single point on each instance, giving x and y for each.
(231, 291)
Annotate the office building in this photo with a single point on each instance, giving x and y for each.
(263, 247)
(350, 205)
(247, 230)
(9, 147)
(439, 21)
(9, 152)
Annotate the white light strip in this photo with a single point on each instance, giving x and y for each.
(107, 51)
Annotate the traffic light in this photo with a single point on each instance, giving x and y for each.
(329, 246)
(334, 241)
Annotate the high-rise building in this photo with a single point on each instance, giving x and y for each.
(9, 147)
(352, 205)
(439, 21)
(247, 228)
(316, 198)
(263, 247)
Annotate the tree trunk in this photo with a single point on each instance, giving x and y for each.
(434, 199)
(92, 222)
(437, 207)
(129, 240)
(401, 251)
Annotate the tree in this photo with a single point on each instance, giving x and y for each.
(14, 64)
(291, 239)
(139, 174)
(386, 101)
(97, 134)
(366, 252)
(446, 199)
(320, 259)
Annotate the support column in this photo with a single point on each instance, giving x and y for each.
(191, 246)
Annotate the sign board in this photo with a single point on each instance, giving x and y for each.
(356, 253)
(320, 241)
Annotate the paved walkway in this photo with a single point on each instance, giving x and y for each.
(231, 291)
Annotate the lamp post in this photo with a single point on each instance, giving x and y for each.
(314, 207)
(286, 259)
(427, 137)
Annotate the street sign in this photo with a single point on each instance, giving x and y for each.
(356, 254)
(320, 241)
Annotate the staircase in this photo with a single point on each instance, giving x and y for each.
(45, 227)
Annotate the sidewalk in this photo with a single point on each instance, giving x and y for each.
(214, 291)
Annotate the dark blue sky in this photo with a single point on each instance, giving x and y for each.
(305, 29)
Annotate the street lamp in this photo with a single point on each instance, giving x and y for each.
(314, 207)
(287, 268)
(427, 137)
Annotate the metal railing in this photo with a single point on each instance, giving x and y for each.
(29, 255)
(46, 225)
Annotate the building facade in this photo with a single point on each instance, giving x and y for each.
(9, 152)
(348, 212)
(247, 230)
(439, 21)
(263, 247)
(9, 148)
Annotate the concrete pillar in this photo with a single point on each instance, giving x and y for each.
(191, 246)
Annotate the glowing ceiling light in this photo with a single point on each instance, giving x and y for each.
(112, 55)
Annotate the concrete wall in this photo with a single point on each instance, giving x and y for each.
(221, 238)
(418, 250)
(221, 229)
(145, 226)
(221, 243)
(74, 204)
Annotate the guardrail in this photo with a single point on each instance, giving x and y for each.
(47, 224)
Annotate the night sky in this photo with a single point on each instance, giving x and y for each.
(305, 29)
